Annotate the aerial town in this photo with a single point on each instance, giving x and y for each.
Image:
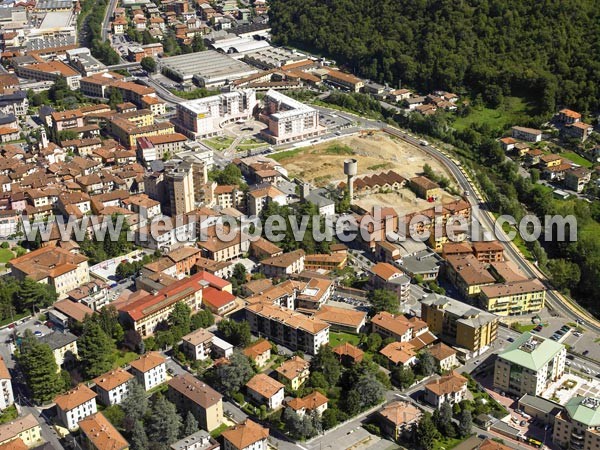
(217, 233)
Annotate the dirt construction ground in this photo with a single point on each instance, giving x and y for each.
(376, 153)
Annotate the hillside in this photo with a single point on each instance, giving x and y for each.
(548, 49)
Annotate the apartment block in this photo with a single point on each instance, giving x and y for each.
(26, 429)
(294, 330)
(470, 330)
(284, 265)
(388, 277)
(150, 370)
(513, 298)
(576, 426)
(398, 326)
(529, 365)
(113, 387)
(99, 434)
(75, 405)
(190, 394)
(265, 390)
(197, 344)
(179, 177)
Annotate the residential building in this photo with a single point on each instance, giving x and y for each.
(576, 427)
(200, 440)
(385, 276)
(578, 130)
(342, 319)
(205, 117)
(568, 116)
(150, 370)
(113, 387)
(326, 262)
(26, 429)
(259, 352)
(577, 178)
(219, 302)
(288, 120)
(348, 354)
(398, 419)
(526, 134)
(466, 328)
(152, 148)
(265, 390)
(50, 71)
(283, 265)
(245, 436)
(75, 405)
(61, 269)
(451, 388)
(314, 294)
(63, 345)
(488, 251)
(444, 356)
(529, 364)
(468, 274)
(197, 344)
(285, 327)
(514, 297)
(293, 372)
(99, 434)
(221, 348)
(190, 394)
(315, 402)
(400, 354)
(262, 195)
(179, 180)
(397, 326)
(7, 397)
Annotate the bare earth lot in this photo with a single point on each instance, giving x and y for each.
(375, 154)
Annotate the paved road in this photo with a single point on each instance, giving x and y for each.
(110, 9)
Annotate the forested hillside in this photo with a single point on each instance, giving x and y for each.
(548, 49)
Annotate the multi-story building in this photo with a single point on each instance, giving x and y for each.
(397, 419)
(265, 390)
(470, 330)
(385, 276)
(190, 394)
(513, 298)
(200, 440)
(179, 179)
(451, 388)
(315, 402)
(7, 397)
(99, 434)
(25, 429)
(63, 345)
(205, 117)
(75, 405)
(152, 148)
(288, 328)
(259, 352)
(288, 120)
(293, 372)
(261, 196)
(576, 426)
(529, 364)
(344, 80)
(468, 274)
(15, 103)
(444, 356)
(526, 134)
(113, 387)
(50, 71)
(284, 265)
(197, 344)
(150, 370)
(55, 266)
(246, 436)
(399, 327)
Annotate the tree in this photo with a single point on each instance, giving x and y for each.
(198, 43)
(329, 418)
(40, 369)
(351, 403)
(108, 319)
(231, 377)
(32, 294)
(236, 333)
(95, 350)
(139, 439)
(231, 174)
(426, 432)
(163, 423)
(115, 98)
(125, 270)
(179, 321)
(148, 64)
(384, 301)
(298, 427)
(565, 274)
(370, 391)
(465, 423)
(374, 342)
(190, 426)
(426, 365)
(202, 319)
(327, 363)
(403, 376)
(443, 420)
(135, 404)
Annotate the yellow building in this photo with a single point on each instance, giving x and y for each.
(517, 297)
(27, 428)
(293, 372)
(459, 324)
(325, 262)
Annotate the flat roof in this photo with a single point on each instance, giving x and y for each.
(207, 64)
(56, 19)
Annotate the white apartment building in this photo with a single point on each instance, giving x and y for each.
(265, 390)
(204, 117)
(75, 405)
(150, 370)
(529, 364)
(113, 387)
(197, 344)
(7, 397)
(288, 120)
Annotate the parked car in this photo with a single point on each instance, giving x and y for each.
(38, 333)
(585, 352)
(510, 339)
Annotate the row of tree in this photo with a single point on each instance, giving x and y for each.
(18, 297)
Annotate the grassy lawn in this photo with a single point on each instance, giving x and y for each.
(5, 255)
(219, 143)
(9, 414)
(337, 338)
(124, 357)
(446, 443)
(577, 159)
(521, 328)
(510, 113)
(286, 154)
(217, 431)
(14, 318)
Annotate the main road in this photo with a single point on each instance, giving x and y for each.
(110, 9)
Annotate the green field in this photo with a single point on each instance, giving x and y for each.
(512, 111)
(337, 338)
(577, 159)
(286, 154)
(5, 255)
(125, 358)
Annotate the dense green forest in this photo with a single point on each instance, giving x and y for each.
(549, 49)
